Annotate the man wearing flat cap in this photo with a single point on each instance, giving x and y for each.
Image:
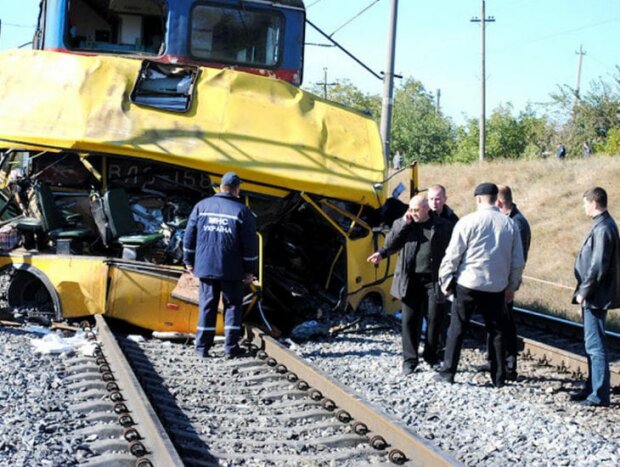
(482, 269)
(221, 249)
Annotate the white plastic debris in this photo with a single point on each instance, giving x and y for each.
(135, 338)
(55, 343)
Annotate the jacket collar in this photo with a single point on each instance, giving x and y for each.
(601, 217)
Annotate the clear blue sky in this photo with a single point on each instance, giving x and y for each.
(531, 47)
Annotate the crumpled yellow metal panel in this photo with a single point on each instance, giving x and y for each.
(269, 131)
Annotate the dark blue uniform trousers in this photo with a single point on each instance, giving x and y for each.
(232, 296)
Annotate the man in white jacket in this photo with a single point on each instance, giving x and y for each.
(482, 268)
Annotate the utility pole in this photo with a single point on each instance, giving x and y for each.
(581, 53)
(438, 102)
(388, 84)
(325, 83)
(483, 127)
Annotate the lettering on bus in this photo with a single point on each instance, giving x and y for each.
(139, 175)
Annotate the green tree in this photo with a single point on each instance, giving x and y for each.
(589, 116)
(346, 93)
(467, 144)
(420, 132)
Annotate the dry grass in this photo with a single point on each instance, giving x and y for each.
(548, 192)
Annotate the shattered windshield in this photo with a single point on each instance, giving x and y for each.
(236, 35)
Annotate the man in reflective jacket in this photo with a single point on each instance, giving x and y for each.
(220, 248)
(598, 290)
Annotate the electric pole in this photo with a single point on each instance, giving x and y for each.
(581, 53)
(388, 84)
(483, 128)
(438, 102)
(325, 83)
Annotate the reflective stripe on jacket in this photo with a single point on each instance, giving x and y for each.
(220, 239)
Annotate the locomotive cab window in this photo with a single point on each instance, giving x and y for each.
(116, 26)
(236, 35)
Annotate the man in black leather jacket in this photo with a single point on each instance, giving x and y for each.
(598, 290)
(421, 240)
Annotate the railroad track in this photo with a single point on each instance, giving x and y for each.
(271, 408)
(536, 329)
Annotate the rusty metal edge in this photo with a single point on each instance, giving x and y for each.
(155, 438)
(418, 451)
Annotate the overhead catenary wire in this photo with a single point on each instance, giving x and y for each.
(360, 13)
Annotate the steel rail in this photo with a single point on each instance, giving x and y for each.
(160, 449)
(404, 446)
(566, 361)
(613, 338)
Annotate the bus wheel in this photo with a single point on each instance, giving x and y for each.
(29, 294)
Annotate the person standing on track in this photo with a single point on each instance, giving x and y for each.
(597, 270)
(508, 207)
(221, 249)
(437, 198)
(421, 241)
(482, 267)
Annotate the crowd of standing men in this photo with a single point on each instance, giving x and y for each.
(456, 268)
(446, 267)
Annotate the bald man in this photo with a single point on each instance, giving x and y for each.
(421, 241)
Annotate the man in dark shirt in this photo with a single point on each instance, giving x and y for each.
(506, 206)
(421, 241)
(597, 270)
(437, 201)
(437, 198)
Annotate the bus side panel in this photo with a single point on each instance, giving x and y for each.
(145, 300)
(364, 278)
(80, 282)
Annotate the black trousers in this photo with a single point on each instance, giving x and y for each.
(511, 344)
(419, 302)
(491, 306)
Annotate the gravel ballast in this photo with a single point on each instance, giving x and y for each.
(528, 422)
(36, 422)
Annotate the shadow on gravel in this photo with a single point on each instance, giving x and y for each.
(191, 448)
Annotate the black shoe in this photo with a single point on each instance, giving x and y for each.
(511, 375)
(201, 354)
(236, 352)
(409, 367)
(578, 396)
(589, 403)
(484, 367)
(444, 377)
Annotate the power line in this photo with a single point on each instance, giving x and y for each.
(374, 2)
(312, 4)
(561, 33)
(15, 25)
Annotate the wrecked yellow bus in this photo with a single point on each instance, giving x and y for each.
(102, 158)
